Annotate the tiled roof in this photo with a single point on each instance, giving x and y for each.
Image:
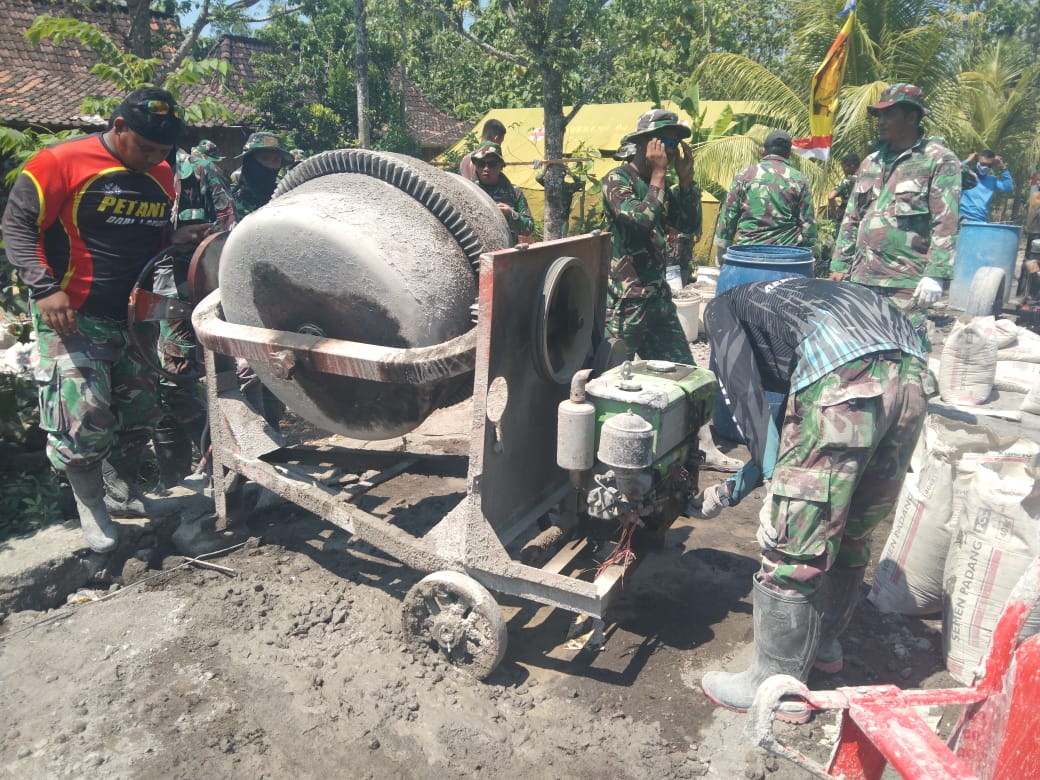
(44, 85)
(427, 124)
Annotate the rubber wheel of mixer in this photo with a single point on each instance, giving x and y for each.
(453, 615)
(986, 295)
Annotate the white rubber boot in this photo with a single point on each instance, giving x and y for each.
(713, 456)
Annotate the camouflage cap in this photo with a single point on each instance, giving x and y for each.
(208, 149)
(487, 149)
(657, 122)
(901, 93)
(266, 141)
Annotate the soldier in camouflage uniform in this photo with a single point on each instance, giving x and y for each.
(853, 370)
(487, 161)
(640, 211)
(263, 157)
(899, 232)
(252, 185)
(768, 203)
(838, 198)
(203, 198)
(83, 218)
(642, 214)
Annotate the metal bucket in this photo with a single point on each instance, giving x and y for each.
(983, 245)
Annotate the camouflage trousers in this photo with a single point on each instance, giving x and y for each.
(903, 299)
(178, 349)
(650, 327)
(844, 450)
(96, 398)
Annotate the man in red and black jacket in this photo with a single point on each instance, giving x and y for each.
(83, 218)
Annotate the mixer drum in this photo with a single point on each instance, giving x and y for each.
(368, 247)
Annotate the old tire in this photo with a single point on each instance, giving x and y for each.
(986, 295)
(455, 616)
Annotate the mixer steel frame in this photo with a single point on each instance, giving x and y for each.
(512, 481)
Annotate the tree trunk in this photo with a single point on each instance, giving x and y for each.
(361, 66)
(139, 37)
(552, 106)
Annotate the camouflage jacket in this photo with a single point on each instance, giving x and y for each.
(203, 193)
(639, 217)
(505, 192)
(769, 203)
(901, 220)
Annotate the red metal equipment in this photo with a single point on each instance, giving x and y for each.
(997, 736)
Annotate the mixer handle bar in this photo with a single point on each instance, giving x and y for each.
(287, 352)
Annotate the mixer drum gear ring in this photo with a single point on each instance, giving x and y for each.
(366, 247)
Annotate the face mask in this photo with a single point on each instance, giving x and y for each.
(982, 170)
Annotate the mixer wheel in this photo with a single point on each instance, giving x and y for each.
(454, 615)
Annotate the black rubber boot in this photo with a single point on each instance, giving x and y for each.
(172, 453)
(839, 596)
(787, 631)
(88, 487)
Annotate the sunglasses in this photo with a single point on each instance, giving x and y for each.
(670, 143)
(159, 108)
(486, 163)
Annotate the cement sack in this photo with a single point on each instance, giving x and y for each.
(1025, 348)
(968, 364)
(909, 575)
(1004, 332)
(1016, 376)
(1031, 403)
(996, 537)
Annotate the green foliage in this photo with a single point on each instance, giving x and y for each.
(29, 502)
(128, 72)
(17, 146)
(308, 89)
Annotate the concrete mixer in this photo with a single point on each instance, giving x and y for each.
(372, 290)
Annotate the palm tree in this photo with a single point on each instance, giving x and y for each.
(1000, 109)
(917, 41)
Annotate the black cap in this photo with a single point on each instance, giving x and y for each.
(161, 124)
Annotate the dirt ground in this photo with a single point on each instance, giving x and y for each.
(294, 664)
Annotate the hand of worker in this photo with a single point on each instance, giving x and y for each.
(58, 314)
(684, 164)
(927, 292)
(709, 502)
(656, 156)
(837, 276)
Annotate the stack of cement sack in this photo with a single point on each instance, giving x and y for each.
(965, 528)
(966, 524)
(983, 354)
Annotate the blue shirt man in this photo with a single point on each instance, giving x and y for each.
(993, 177)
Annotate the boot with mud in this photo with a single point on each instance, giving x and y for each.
(787, 632)
(88, 488)
(839, 596)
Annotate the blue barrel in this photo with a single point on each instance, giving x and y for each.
(756, 263)
(983, 245)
